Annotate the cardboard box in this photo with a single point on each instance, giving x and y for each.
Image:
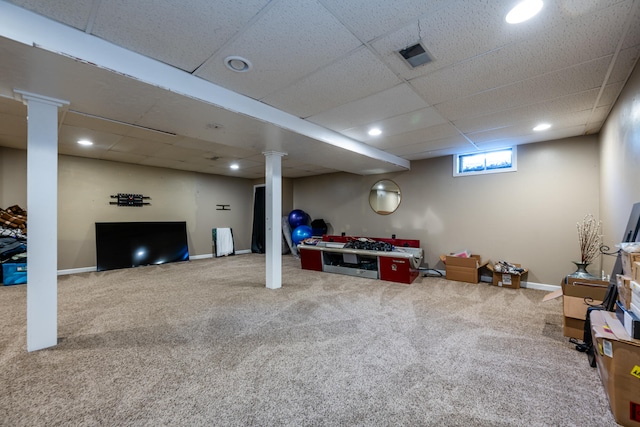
(506, 280)
(618, 362)
(575, 295)
(463, 269)
(624, 290)
(635, 292)
(630, 263)
(573, 328)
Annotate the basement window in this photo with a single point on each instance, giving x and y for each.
(495, 161)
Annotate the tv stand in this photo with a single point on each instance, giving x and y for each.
(331, 256)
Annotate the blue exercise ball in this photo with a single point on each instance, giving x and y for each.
(298, 217)
(300, 233)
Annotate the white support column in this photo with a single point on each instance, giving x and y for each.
(273, 218)
(42, 210)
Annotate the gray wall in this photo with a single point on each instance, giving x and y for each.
(527, 217)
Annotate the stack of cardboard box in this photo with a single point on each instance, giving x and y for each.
(618, 361)
(463, 268)
(577, 295)
(628, 305)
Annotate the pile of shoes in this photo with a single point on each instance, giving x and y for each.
(507, 267)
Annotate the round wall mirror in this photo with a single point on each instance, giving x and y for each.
(384, 197)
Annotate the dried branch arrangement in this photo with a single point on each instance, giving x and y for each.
(589, 237)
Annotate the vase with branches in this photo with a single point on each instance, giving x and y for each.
(590, 240)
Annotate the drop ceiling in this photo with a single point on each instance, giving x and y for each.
(147, 80)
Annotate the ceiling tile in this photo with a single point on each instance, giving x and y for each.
(138, 146)
(482, 20)
(582, 77)
(360, 74)
(140, 132)
(369, 22)
(540, 112)
(75, 13)
(70, 135)
(561, 133)
(625, 62)
(419, 119)
(634, 32)
(569, 120)
(100, 125)
(471, 78)
(166, 151)
(119, 156)
(480, 73)
(189, 117)
(419, 136)
(292, 39)
(395, 101)
(183, 34)
(216, 149)
(162, 162)
(430, 146)
(92, 88)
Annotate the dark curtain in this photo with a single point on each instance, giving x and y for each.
(258, 236)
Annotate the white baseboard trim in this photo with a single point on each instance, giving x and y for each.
(77, 270)
(540, 286)
(203, 256)
(527, 285)
(94, 268)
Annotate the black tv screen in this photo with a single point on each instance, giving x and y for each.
(132, 244)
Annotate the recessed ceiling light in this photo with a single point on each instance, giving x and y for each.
(542, 126)
(237, 64)
(524, 10)
(375, 132)
(234, 166)
(85, 142)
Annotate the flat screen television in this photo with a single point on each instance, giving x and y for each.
(132, 244)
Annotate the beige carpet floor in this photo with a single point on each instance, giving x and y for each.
(205, 343)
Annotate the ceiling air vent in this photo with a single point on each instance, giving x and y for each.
(415, 55)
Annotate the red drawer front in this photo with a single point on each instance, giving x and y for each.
(396, 270)
(311, 259)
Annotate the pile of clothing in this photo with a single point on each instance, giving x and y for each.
(13, 222)
(13, 238)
